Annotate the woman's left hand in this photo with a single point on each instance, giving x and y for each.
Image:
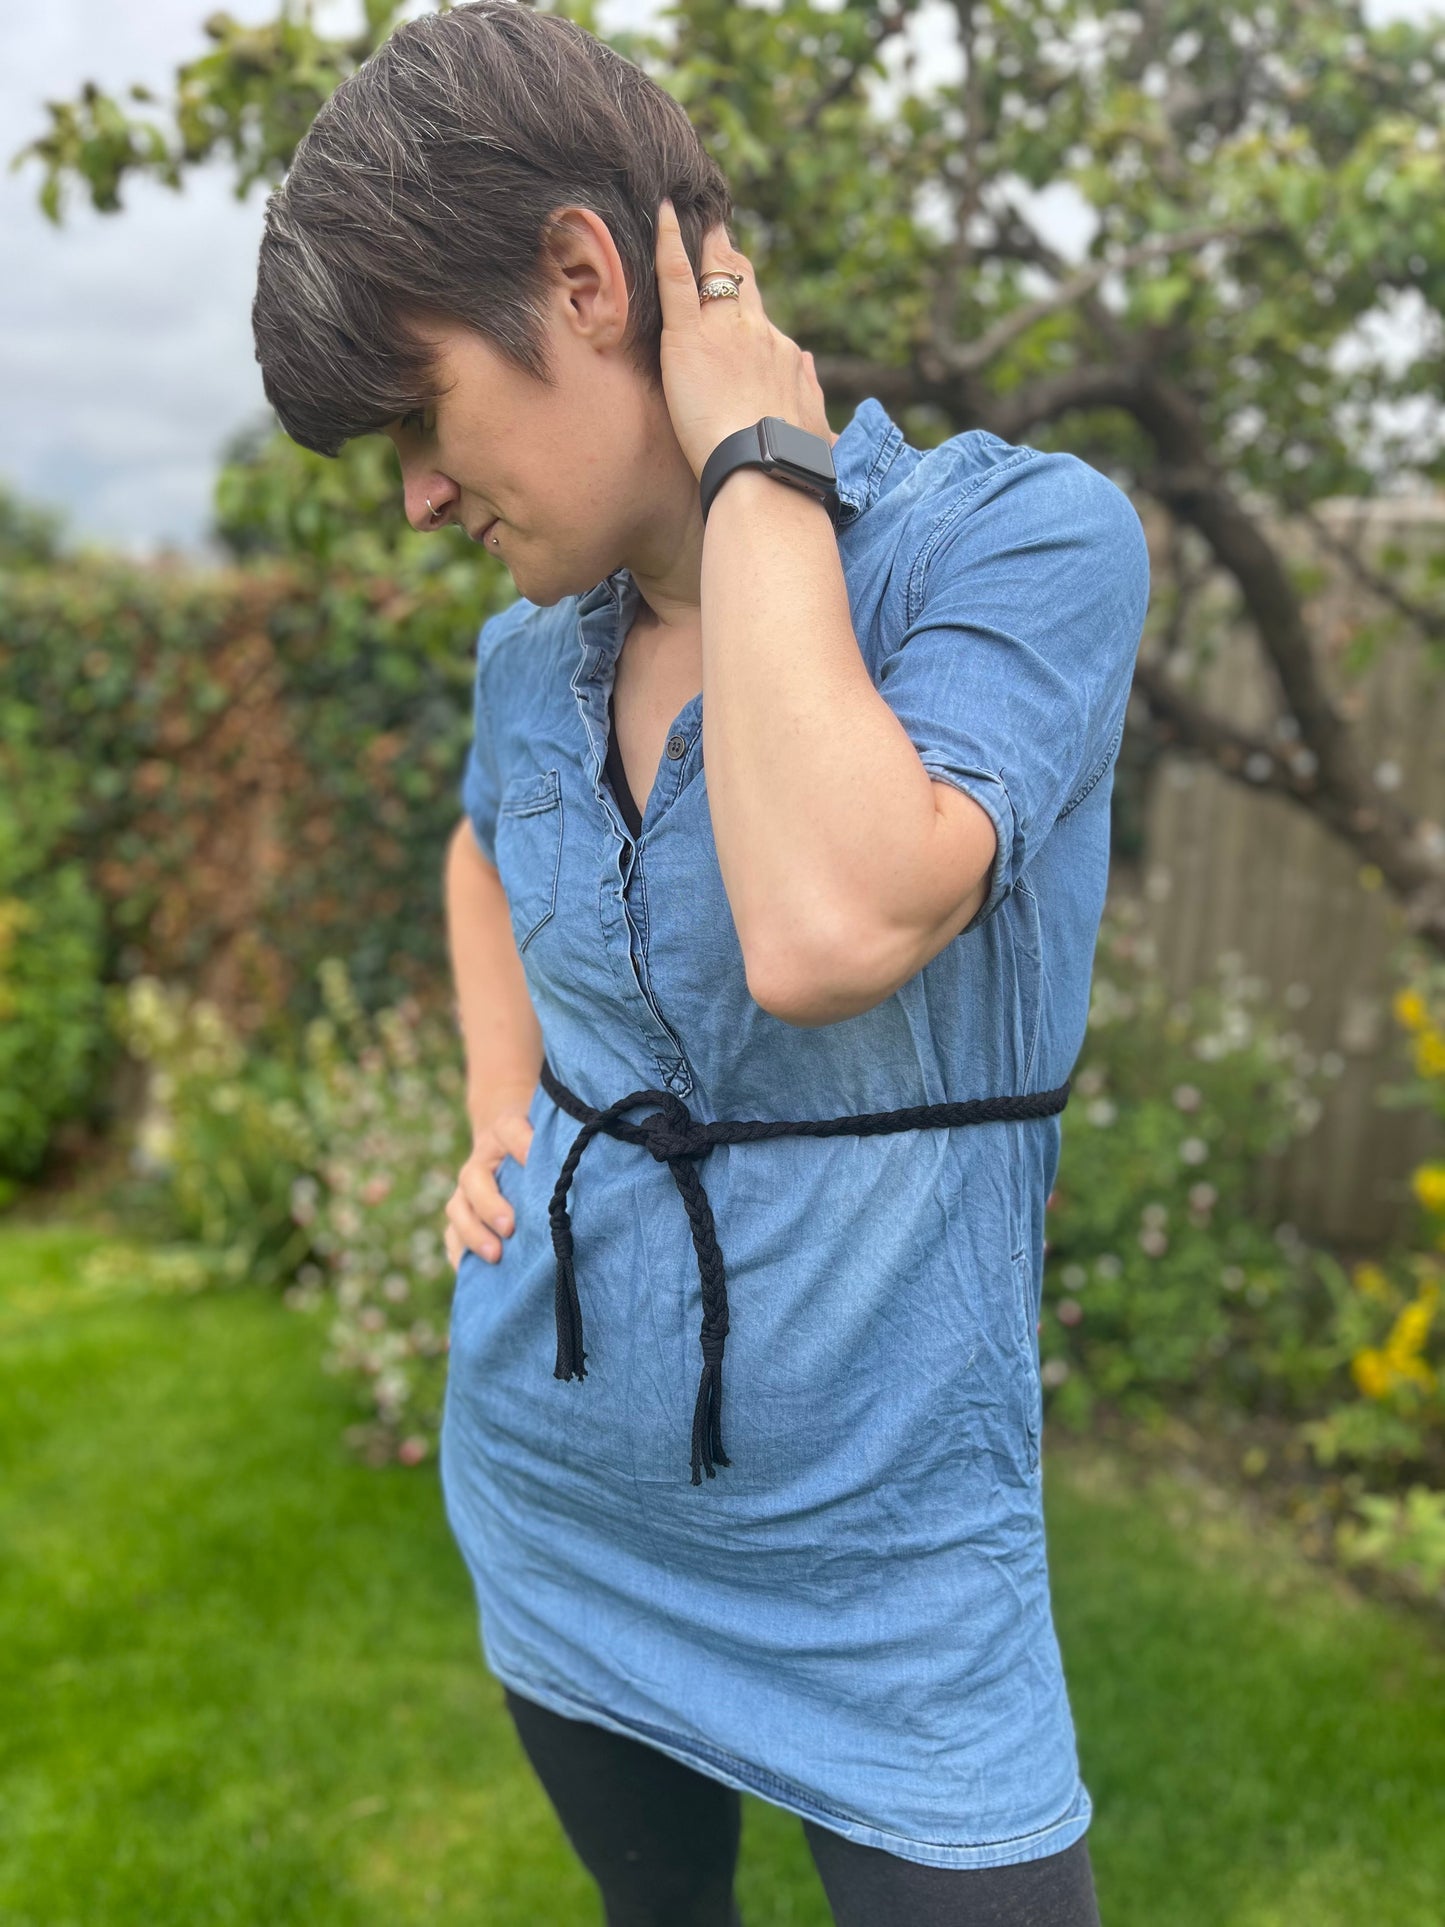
(724, 364)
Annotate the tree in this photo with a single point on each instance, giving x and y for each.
(28, 534)
(1264, 173)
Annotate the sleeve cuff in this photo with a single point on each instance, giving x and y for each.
(480, 813)
(990, 793)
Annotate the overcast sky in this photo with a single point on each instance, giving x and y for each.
(125, 345)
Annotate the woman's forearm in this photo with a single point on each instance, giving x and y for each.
(500, 1032)
(823, 815)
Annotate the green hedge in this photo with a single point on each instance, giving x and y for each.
(266, 761)
(52, 1021)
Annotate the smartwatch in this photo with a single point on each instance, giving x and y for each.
(787, 453)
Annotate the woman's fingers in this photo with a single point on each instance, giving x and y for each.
(477, 1209)
(478, 1227)
(479, 1180)
(478, 1216)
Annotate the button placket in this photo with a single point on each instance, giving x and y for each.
(623, 920)
(674, 1070)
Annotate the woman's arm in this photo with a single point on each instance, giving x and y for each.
(500, 1032)
(847, 863)
(845, 869)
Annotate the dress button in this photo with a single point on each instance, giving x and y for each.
(676, 746)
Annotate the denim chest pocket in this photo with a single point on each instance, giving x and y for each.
(529, 850)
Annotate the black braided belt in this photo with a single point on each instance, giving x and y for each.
(674, 1139)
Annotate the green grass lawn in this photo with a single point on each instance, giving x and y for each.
(240, 1680)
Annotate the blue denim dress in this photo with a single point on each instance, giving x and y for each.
(852, 1619)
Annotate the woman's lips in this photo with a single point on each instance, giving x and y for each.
(487, 528)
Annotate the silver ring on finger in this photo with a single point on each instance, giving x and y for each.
(720, 286)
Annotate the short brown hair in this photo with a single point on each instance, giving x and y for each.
(424, 187)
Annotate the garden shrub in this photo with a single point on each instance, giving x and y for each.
(269, 761)
(53, 1040)
(325, 1172)
(387, 1100)
(1391, 1416)
(1403, 1533)
(1166, 1291)
(225, 1130)
(1162, 1282)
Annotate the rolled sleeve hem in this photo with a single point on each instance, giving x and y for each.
(989, 791)
(483, 839)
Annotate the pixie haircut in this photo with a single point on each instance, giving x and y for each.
(424, 189)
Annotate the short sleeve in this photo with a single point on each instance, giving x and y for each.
(481, 787)
(1026, 609)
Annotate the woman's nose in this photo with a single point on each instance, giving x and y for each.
(428, 500)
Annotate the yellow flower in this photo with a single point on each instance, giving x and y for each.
(1371, 1373)
(1378, 1371)
(1409, 1008)
(1409, 1334)
(1402, 1365)
(1411, 1328)
(1430, 1053)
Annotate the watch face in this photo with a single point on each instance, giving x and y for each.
(810, 454)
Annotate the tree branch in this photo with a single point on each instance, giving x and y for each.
(1429, 622)
(883, 28)
(1076, 286)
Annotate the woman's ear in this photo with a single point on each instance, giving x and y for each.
(588, 269)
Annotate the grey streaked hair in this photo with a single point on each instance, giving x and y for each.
(424, 188)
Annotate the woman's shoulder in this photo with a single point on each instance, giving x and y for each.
(1047, 488)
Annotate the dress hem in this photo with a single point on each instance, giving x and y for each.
(746, 1778)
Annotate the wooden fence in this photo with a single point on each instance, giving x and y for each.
(1226, 868)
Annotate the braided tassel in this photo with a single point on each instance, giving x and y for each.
(570, 1354)
(707, 1445)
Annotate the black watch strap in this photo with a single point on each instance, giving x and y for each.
(788, 453)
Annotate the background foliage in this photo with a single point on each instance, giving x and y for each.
(266, 759)
(53, 1042)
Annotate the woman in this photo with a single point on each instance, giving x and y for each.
(870, 882)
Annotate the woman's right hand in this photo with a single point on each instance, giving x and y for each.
(478, 1216)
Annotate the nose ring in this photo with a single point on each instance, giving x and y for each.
(427, 499)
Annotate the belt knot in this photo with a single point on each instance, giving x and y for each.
(674, 1132)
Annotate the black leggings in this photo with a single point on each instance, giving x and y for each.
(661, 1841)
